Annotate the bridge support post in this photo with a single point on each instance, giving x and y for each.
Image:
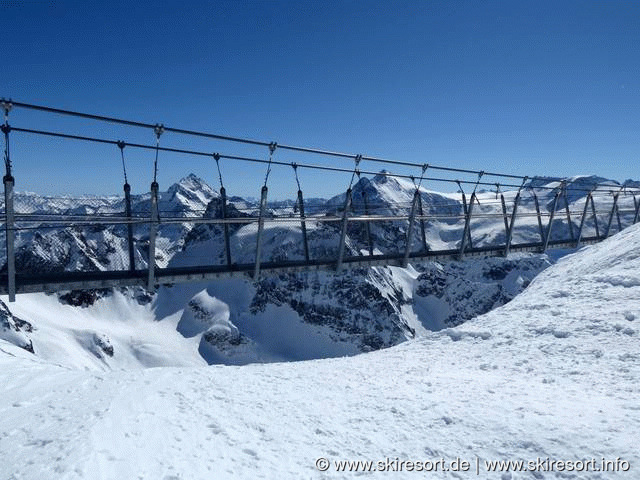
(127, 212)
(263, 208)
(636, 204)
(343, 230)
(613, 210)
(505, 216)
(465, 209)
(412, 219)
(466, 234)
(540, 227)
(516, 202)
(8, 205)
(425, 247)
(227, 245)
(153, 226)
(566, 208)
(595, 217)
(584, 216)
(303, 226)
(10, 237)
(553, 211)
(367, 223)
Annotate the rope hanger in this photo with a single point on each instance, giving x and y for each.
(295, 171)
(272, 148)
(216, 157)
(424, 170)
(158, 129)
(356, 171)
(121, 146)
(6, 128)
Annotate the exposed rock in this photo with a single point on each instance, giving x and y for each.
(15, 330)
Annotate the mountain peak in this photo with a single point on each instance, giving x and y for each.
(191, 192)
(192, 181)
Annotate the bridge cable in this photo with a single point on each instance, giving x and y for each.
(598, 187)
(241, 140)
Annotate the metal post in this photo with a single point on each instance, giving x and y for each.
(8, 205)
(540, 227)
(566, 207)
(595, 217)
(553, 211)
(465, 209)
(10, 233)
(263, 208)
(152, 236)
(516, 202)
(412, 218)
(367, 224)
(303, 226)
(618, 218)
(584, 215)
(637, 205)
(613, 209)
(425, 247)
(127, 212)
(343, 231)
(467, 225)
(505, 217)
(227, 244)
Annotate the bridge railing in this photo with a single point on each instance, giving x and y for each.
(93, 237)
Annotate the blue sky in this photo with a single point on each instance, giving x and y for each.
(529, 88)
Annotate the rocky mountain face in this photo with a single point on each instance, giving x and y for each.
(14, 329)
(292, 316)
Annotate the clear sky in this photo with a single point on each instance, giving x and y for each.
(534, 88)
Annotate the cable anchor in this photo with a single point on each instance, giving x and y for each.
(6, 106)
(158, 129)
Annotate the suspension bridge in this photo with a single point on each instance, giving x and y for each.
(491, 214)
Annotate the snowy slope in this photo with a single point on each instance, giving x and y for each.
(553, 374)
(288, 317)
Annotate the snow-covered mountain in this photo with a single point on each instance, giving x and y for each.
(281, 317)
